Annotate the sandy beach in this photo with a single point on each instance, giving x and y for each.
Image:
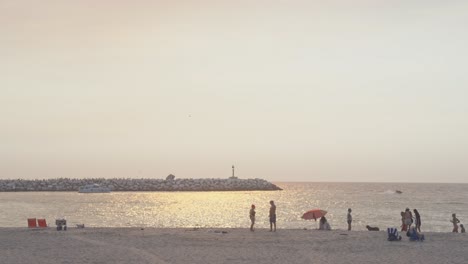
(152, 245)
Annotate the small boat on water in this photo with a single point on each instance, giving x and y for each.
(398, 191)
(94, 188)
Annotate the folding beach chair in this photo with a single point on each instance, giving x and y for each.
(41, 222)
(393, 235)
(32, 223)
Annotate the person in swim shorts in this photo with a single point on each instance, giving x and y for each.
(455, 222)
(272, 216)
(408, 218)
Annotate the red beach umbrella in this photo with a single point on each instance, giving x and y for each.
(314, 214)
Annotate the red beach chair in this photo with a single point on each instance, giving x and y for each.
(41, 222)
(32, 223)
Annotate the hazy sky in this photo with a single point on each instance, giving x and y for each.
(362, 90)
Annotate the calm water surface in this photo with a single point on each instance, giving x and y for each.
(375, 204)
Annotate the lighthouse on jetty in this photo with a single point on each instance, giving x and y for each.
(233, 176)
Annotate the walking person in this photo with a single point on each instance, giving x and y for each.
(252, 217)
(417, 221)
(455, 222)
(272, 216)
(350, 219)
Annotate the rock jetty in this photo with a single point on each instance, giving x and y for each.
(135, 185)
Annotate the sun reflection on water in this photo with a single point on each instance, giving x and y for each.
(371, 203)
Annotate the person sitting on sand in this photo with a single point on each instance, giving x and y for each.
(414, 235)
(323, 224)
(455, 222)
(252, 217)
(462, 228)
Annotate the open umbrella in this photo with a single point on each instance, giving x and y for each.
(314, 214)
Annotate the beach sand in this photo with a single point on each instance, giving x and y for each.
(153, 245)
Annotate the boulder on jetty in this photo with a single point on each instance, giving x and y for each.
(129, 184)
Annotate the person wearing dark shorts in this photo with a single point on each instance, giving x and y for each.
(272, 216)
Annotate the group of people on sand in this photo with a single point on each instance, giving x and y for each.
(455, 223)
(407, 220)
(323, 223)
(271, 215)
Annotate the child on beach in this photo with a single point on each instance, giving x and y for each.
(462, 228)
(455, 222)
(350, 219)
(252, 217)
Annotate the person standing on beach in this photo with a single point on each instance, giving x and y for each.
(462, 228)
(403, 225)
(455, 222)
(350, 219)
(272, 216)
(408, 218)
(252, 217)
(417, 221)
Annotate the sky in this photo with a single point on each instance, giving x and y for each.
(334, 91)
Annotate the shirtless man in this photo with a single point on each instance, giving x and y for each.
(272, 216)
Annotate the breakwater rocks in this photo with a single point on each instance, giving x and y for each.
(170, 184)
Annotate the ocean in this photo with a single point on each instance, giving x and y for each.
(375, 204)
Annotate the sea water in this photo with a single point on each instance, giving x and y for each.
(375, 204)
